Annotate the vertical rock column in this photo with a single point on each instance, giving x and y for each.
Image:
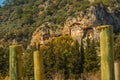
(38, 66)
(15, 65)
(117, 70)
(106, 49)
(19, 58)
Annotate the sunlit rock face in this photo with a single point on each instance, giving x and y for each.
(39, 35)
(83, 24)
(45, 33)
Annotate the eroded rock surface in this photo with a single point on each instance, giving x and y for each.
(80, 25)
(83, 24)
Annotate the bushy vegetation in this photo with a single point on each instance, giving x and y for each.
(117, 47)
(64, 56)
(4, 61)
(91, 63)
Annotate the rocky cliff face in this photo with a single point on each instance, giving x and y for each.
(83, 24)
(80, 25)
(45, 33)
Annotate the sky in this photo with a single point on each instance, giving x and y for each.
(1, 1)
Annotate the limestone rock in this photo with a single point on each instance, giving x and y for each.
(80, 25)
(46, 32)
(83, 24)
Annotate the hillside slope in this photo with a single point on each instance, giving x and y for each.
(40, 21)
(19, 19)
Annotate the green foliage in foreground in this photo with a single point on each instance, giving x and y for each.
(91, 63)
(117, 47)
(4, 60)
(63, 56)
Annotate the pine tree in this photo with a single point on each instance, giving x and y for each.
(117, 47)
(91, 59)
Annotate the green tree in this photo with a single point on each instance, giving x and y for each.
(62, 56)
(6, 2)
(117, 47)
(28, 65)
(91, 59)
(4, 60)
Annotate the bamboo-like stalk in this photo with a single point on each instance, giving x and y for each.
(15, 62)
(117, 70)
(38, 66)
(19, 58)
(106, 49)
